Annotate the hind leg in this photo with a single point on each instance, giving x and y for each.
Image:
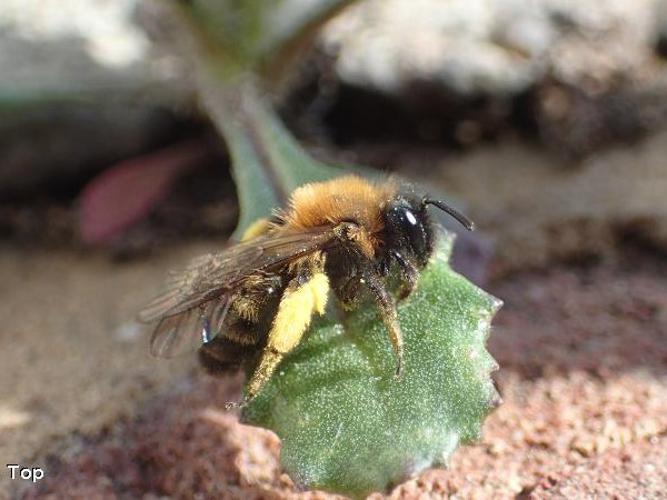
(305, 295)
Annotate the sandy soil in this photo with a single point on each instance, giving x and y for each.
(539, 208)
(583, 353)
(73, 360)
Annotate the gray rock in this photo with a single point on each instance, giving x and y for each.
(496, 47)
(81, 86)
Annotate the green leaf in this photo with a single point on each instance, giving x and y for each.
(347, 426)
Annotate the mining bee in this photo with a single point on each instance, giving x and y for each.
(254, 301)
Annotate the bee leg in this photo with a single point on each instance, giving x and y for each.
(306, 294)
(409, 272)
(387, 308)
(348, 294)
(384, 266)
(268, 363)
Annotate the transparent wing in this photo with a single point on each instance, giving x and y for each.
(195, 301)
(189, 330)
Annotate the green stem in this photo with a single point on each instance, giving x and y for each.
(267, 162)
(232, 111)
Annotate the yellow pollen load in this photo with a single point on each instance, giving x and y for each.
(295, 312)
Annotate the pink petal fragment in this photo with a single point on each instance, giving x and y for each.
(126, 192)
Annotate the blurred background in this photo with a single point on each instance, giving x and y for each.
(546, 119)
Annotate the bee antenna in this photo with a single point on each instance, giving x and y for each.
(462, 219)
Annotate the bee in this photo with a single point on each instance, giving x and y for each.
(254, 301)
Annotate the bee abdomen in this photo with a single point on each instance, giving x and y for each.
(223, 354)
(243, 334)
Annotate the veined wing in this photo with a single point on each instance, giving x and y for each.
(195, 301)
(190, 329)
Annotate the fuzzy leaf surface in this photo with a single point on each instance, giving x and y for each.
(347, 425)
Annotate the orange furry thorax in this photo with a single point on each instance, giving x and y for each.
(345, 199)
(348, 198)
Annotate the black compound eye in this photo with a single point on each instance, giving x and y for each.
(414, 230)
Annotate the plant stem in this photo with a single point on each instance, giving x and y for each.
(237, 111)
(267, 162)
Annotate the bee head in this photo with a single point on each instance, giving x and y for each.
(409, 229)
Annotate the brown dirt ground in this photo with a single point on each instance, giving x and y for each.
(73, 360)
(540, 208)
(583, 356)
